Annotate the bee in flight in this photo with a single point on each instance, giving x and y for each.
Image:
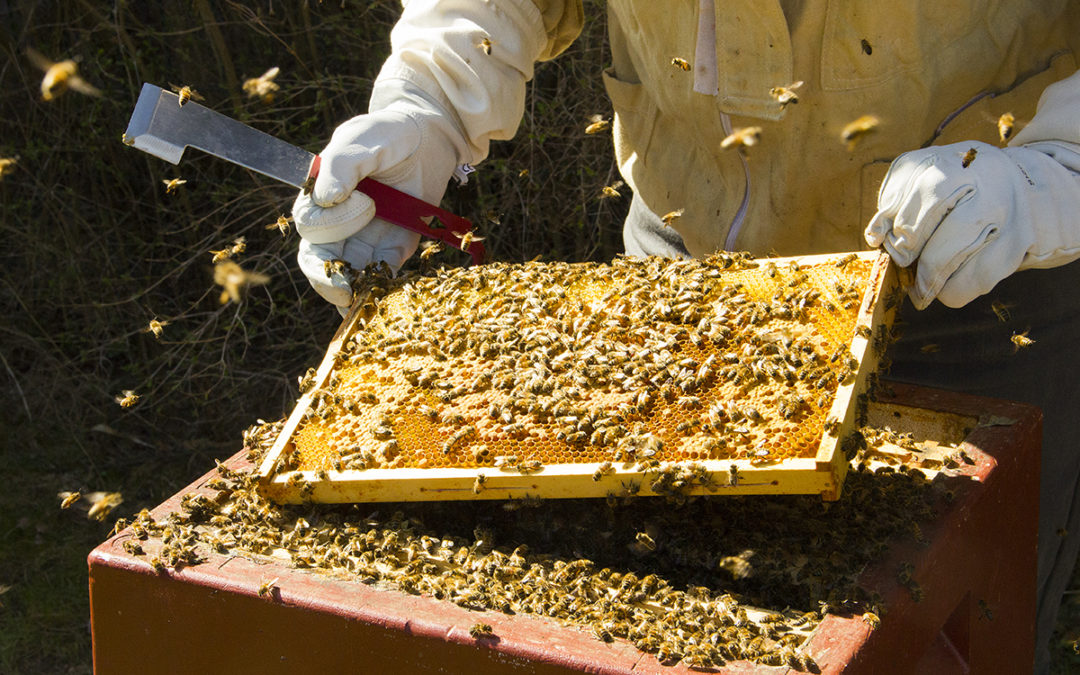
(968, 158)
(234, 279)
(467, 239)
(485, 45)
(681, 64)
(671, 217)
(430, 249)
(1021, 340)
(185, 94)
(263, 86)
(60, 76)
(127, 398)
(785, 95)
(7, 165)
(611, 191)
(281, 225)
(855, 130)
(172, 183)
(1005, 126)
(741, 138)
(156, 327)
(597, 124)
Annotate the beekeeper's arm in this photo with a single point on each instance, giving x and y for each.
(455, 80)
(1010, 209)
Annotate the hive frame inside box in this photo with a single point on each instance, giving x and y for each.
(822, 474)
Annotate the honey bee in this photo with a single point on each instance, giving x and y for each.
(234, 279)
(281, 225)
(157, 564)
(185, 94)
(1001, 311)
(336, 266)
(733, 476)
(263, 86)
(968, 158)
(611, 191)
(1005, 126)
(133, 547)
(478, 484)
(430, 249)
(220, 255)
(267, 588)
(1020, 341)
(681, 64)
(670, 217)
(603, 470)
(172, 183)
(127, 398)
(872, 620)
(597, 124)
(645, 541)
(529, 466)
(69, 498)
(467, 239)
(846, 260)
(479, 631)
(785, 95)
(59, 76)
(485, 45)
(102, 503)
(741, 138)
(854, 131)
(156, 327)
(930, 348)
(7, 165)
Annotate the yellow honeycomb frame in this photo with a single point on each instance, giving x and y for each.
(821, 474)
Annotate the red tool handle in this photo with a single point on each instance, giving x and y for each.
(406, 211)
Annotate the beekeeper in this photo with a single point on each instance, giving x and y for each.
(930, 181)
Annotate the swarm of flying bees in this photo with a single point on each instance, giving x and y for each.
(263, 87)
(234, 280)
(60, 77)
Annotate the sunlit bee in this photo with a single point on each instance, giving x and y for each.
(742, 138)
(218, 256)
(172, 183)
(968, 158)
(681, 64)
(785, 95)
(67, 499)
(467, 238)
(611, 191)
(597, 124)
(185, 94)
(671, 217)
(854, 131)
(1021, 340)
(156, 327)
(127, 398)
(485, 45)
(59, 77)
(1005, 125)
(234, 279)
(1001, 310)
(7, 165)
(263, 87)
(281, 225)
(266, 588)
(430, 249)
(102, 503)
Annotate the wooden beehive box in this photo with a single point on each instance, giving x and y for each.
(644, 376)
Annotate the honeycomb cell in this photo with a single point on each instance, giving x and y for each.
(582, 363)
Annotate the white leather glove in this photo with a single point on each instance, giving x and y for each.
(970, 227)
(455, 80)
(408, 146)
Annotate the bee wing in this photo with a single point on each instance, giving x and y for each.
(39, 59)
(795, 85)
(270, 74)
(83, 87)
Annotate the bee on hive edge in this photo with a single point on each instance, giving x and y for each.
(267, 588)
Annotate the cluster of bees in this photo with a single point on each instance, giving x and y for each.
(636, 363)
(702, 582)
